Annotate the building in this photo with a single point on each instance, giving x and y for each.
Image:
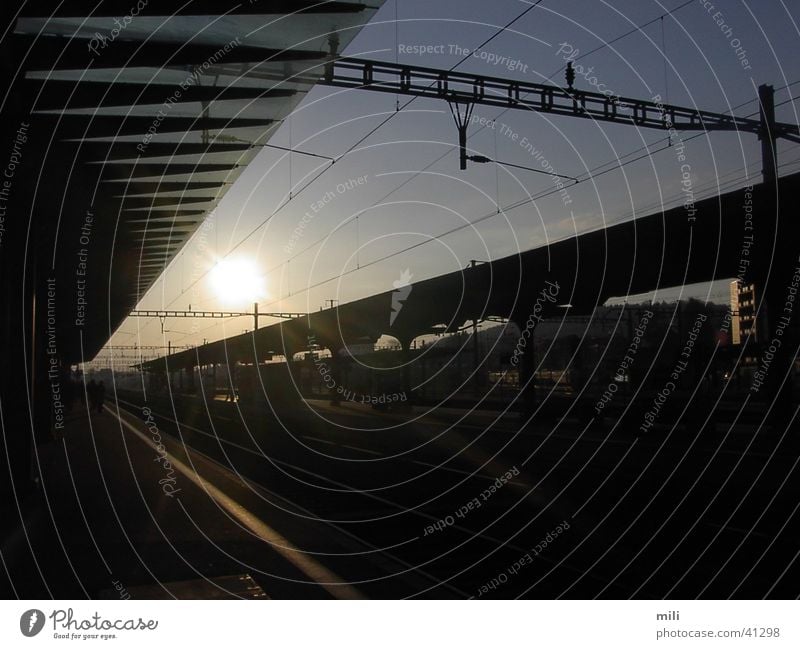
(746, 308)
(736, 337)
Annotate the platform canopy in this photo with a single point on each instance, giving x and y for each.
(567, 277)
(132, 119)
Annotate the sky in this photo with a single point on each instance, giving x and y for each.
(342, 236)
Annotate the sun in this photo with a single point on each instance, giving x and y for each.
(238, 281)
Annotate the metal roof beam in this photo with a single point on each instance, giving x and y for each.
(140, 189)
(56, 94)
(136, 205)
(117, 150)
(144, 169)
(51, 53)
(67, 125)
(121, 8)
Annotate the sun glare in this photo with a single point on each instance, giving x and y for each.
(238, 281)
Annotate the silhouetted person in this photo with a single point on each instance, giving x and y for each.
(68, 391)
(78, 386)
(91, 395)
(100, 396)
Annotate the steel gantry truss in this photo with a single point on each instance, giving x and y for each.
(255, 314)
(114, 354)
(465, 89)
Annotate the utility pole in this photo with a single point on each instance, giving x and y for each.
(255, 316)
(769, 224)
(767, 134)
(775, 264)
(462, 124)
(476, 357)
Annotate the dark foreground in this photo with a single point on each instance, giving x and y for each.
(316, 500)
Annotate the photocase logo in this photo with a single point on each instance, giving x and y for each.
(31, 622)
(402, 289)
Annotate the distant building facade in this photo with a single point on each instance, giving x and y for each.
(746, 301)
(736, 336)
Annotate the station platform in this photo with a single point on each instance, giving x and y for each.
(124, 511)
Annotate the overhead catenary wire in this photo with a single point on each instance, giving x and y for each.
(352, 148)
(508, 208)
(590, 174)
(615, 162)
(666, 74)
(594, 172)
(410, 101)
(388, 118)
(458, 228)
(635, 30)
(503, 163)
(664, 56)
(396, 50)
(298, 151)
